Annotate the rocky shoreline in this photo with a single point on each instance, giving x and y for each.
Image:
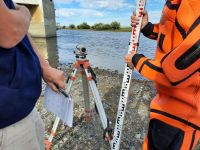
(90, 136)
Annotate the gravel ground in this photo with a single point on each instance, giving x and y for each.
(90, 136)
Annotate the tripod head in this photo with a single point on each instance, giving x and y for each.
(80, 52)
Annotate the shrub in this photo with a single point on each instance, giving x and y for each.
(97, 26)
(84, 25)
(101, 26)
(64, 27)
(72, 26)
(115, 25)
(107, 27)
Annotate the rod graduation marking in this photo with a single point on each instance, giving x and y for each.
(133, 46)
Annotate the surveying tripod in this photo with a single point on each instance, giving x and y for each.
(88, 78)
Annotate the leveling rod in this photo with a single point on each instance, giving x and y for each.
(133, 46)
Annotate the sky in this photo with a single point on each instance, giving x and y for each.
(104, 11)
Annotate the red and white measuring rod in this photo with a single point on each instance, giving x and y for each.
(133, 46)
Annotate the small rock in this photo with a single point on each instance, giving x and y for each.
(138, 136)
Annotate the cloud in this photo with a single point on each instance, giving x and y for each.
(63, 1)
(98, 4)
(106, 4)
(71, 12)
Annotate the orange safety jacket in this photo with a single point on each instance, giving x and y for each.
(176, 67)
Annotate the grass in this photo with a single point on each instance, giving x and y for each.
(125, 29)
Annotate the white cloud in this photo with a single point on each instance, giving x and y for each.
(70, 12)
(96, 4)
(63, 1)
(107, 4)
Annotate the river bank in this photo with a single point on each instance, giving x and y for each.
(90, 137)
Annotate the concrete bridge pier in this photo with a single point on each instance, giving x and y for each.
(43, 22)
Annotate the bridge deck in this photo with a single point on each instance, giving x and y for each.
(27, 2)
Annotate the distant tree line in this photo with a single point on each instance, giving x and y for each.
(98, 26)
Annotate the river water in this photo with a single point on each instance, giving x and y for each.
(105, 50)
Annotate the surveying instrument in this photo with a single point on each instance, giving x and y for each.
(88, 79)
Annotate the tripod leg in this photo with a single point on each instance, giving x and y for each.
(53, 132)
(48, 142)
(71, 80)
(86, 97)
(99, 105)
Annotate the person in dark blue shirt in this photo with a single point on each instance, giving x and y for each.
(21, 69)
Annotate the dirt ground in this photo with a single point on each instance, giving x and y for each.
(83, 136)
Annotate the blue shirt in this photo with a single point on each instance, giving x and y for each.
(20, 80)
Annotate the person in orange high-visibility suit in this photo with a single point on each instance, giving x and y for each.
(175, 111)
